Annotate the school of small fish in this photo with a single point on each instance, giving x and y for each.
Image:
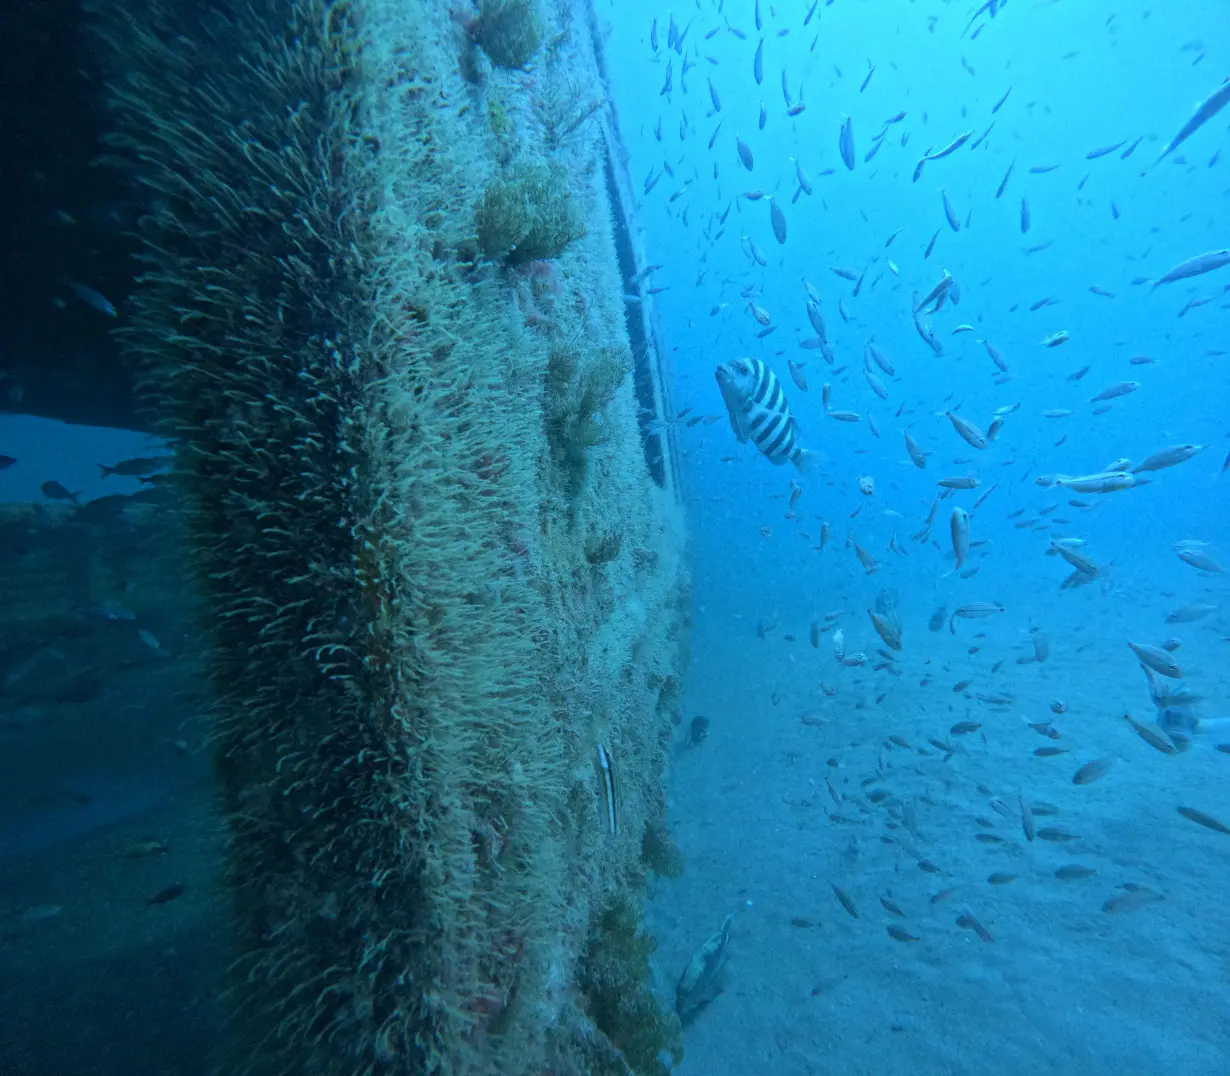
(856, 368)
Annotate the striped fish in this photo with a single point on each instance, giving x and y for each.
(758, 410)
(610, 790)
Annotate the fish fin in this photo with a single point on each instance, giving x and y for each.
(105, 469)
(803, 460)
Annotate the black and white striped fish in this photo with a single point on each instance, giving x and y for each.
(758, 410)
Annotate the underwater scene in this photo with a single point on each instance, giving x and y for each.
(584, 537)
(961, 763)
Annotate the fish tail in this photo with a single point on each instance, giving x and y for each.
(105, 469)
(802, 460)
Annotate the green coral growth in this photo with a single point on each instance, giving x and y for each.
(615, 977)
(501, 123)
(579, 389)
(659, 852)
(670, 698)
(603, 548)
(529, 216)
(509, 31)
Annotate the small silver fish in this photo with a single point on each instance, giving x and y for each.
(887, 628)
(1092, 771)
(1136, 897)
(803, 178)
(968, 431)
(1196, 557)
(959, 526)
(1107, 482)
(1198, 816)
(934, 300)
(91, 297)
(846, 143)
(1188, 614)
(967, 921)
(796, 373)
(778, 220)
(954, 221)
(1157, 659)
(1200, 264)
(843, 898)
(745, 153)
(1113, 392)
(1167, 457)
(1154, 735)
(973, 611)
(1205, 111)
(916, 454)
(135, 468)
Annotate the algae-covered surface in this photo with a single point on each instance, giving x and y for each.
(437, 600)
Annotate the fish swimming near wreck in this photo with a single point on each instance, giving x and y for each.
(756, 404)
(1205, 111)
(91, 298)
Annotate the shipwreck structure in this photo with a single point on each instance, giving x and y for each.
(384, 317)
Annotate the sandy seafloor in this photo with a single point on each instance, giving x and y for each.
(1064, 987)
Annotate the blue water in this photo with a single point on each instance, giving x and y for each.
(70, 454)
(771, 811)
